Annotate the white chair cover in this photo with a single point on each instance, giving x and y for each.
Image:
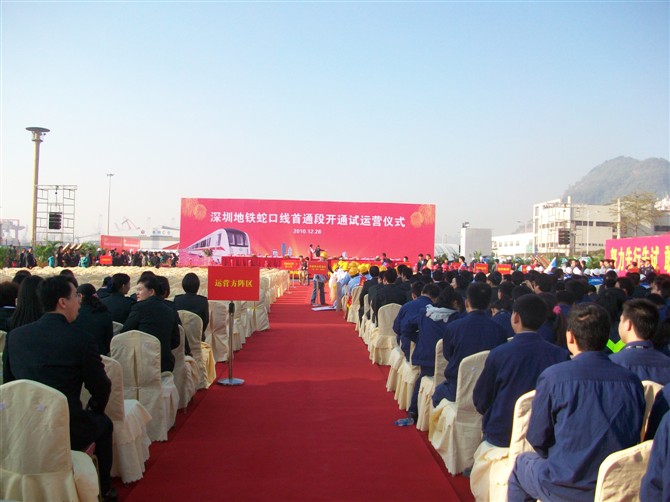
(493, 465)
(427, 387)
(352, 310)
(396, 360)
(383, 338)
(140, 357)
(217, 329)
(620, 474)
(407, 377)
(364, 320)
(457, 429)
(650, 391)
(131, 441)
(37, 463)
(184, 378)
(200, 351)
(261, 321)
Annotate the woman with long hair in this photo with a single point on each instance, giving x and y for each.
(28, 306)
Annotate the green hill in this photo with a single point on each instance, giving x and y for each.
(619, 177)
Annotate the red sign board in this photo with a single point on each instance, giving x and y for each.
(106, 259)
(505, 268)
(217, 228)
(317, 267)
(625, 251)
(482, 267)
(119, 243)
(290, 264)
(233, 283)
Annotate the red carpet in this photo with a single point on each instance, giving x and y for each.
(313, 421)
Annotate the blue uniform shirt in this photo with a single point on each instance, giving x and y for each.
(406, 324)
(510, 371)
(584, 409)
(431, 329)
(645, 361)
(655, 485)
(464, 337)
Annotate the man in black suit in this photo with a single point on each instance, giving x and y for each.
(53, 352)
(151, 315)
(192, 301)
(391, 292)
(374, 274)
(117, 302)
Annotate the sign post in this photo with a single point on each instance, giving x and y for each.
(233, 283)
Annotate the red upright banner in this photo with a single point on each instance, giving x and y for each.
(317, 267)
(624, 251)
(233, 283)
(504, 268)
(482, 267)
(212, 229)
(290, 264)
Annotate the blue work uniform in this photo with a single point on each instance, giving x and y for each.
(510, 371)
(583, 410)
(464, 337)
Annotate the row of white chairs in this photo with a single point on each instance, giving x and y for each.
(455, 428)
(143, 404)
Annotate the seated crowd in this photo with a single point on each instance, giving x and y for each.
(584, 351)
(56, 331)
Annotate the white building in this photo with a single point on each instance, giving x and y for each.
(512, 245)
(589, 227)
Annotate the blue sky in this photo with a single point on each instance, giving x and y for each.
(482, 108)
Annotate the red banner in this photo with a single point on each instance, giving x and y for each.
(216, 228)
(119, 243)
(504, 268)
(625, 251)
(106, 259)
(288, 264)
(317, 267)
(482, 267)
(233, 283)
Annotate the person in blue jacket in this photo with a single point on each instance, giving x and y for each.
(655, 485)
(584, 409)
(469, 335)
(637, 327)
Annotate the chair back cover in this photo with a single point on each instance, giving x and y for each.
(35, 450)
(217, 329)
(385, 318)
(518, 443)
(440, 363)
(620, 474)
(182, 373)
(193, 329)
(140, 357)
(650, 391)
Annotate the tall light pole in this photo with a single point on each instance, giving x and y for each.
(109, 199)
(38, 134)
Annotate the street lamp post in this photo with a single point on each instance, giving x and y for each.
(38, 134)
(109, 199)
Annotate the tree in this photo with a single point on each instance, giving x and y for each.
(637, 209)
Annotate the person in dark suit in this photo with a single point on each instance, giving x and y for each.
(391, 292)
(373, 281)
(94, 318)
(151, 315)
(54, 352)
(117, 302)
(192, 301)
